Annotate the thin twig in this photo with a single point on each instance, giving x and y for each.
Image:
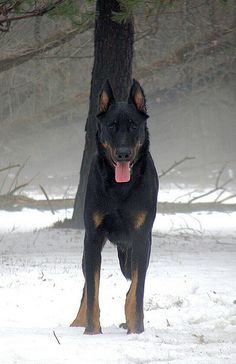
(37, 11)
(221, 171)
(220, 194)
(9, 167)
(210, 192)
(227, 198)
(204, 194)
(56, 338)
(3, 182)
(184, 195)
(17, 175)
(175, 165)
(49, 202)
(6, 169)
(218, 187)
(17, 188)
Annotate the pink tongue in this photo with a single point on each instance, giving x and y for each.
(122, 172)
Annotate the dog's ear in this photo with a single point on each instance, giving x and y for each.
(106, 97)
(137, 97)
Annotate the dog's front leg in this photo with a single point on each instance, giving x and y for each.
(93, 244)
(89, 312)
(134, 298)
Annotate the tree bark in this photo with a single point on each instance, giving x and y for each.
(113, 53)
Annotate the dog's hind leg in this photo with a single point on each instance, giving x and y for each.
(125, 261)
(125, 266)
(134, 298)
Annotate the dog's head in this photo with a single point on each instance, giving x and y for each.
(122, 128)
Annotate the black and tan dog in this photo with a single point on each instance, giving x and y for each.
(120, 205)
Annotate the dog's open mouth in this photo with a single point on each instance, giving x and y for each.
(122, 168)
(123, 171)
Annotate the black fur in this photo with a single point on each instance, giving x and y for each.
(120, 212)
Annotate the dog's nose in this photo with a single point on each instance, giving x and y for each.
(123, 154)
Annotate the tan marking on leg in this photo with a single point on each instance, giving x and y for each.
(139, 220)
(81, 318)
(98, 218)
(131, 306)
(96, 309)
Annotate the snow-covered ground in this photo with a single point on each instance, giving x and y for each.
(190, 297)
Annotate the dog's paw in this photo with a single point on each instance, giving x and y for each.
(123, 325)
(92, 331)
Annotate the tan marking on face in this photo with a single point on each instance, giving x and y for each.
(98, 218)
(105, 145)
(104, 101)
(131, 305)
(140, 100)
(140, 220)
(110, 152)
(81, 318)
(135, 151)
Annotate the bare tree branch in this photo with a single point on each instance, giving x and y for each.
(19, 187)
(54, 334)
(15, 179)
(218, 186)
(227, 198)
(7, 7)
(23, 56)
(9, 167)
(48, 200)
(174, 165)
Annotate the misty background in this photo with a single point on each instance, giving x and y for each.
(185, 60)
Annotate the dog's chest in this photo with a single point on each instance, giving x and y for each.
(117, 225)
(121, 224)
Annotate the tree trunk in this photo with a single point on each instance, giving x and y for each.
(113, 53)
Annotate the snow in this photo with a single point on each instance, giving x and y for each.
(195, 223)
(29, 220)
(190, 295)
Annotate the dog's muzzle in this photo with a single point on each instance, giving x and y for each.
(123, 157)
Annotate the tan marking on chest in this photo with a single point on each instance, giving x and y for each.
(140, 219)
(98, 218)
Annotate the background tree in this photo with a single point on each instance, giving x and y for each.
(113, 53)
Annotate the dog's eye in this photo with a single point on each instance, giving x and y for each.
(132, 125)
(112, 126)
